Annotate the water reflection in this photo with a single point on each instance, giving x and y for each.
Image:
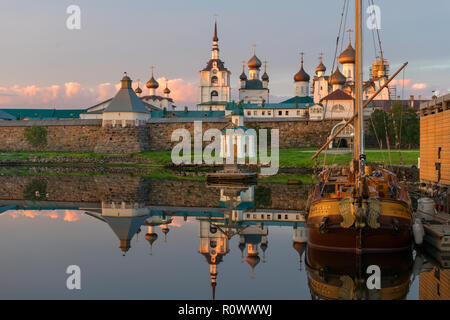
(344, 276)
(252, 221)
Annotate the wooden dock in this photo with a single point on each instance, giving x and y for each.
(437, 230)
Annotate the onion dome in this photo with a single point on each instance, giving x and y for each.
(152, 83)
(138, 90)
(265, 77)
(321, 67)
(348, 55)
(301, 75)
(254, 62)
(253, 260)
(337, 77)
(151, 237)
(243, 76)
(166, 91)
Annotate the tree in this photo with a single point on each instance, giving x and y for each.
(36, 136)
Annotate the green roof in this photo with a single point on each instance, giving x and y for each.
(44, 114)
(232, 106)
(187, 114)
(299, 100)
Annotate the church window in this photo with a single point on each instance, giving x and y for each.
(280, 113)
(214, 95)
(254, 113)
(269, 113)
(338, 108)
(214, 81)
(263, 113)
(287, 113)
(249, 113)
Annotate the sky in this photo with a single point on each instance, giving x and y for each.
(44, 64)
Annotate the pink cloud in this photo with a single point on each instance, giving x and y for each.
(69, 215)
(180, 90)
(74, 95)
(419, 86)
(401, 82)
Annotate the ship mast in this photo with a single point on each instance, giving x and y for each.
(359, 123)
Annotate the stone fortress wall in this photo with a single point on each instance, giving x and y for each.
(89, 135)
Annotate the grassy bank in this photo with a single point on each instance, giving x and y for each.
(288, 157)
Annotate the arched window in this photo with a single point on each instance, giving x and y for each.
(214, 81)
(214, 95)
(338, 108)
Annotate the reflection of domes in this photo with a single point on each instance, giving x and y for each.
(151, 237)
(254, 62)
(253, 260)
(152, 83)
(348, 55)
(299, 247)
(337, 77)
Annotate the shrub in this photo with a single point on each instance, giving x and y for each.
(36, 136)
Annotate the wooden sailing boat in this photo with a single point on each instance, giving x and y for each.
(360, 208)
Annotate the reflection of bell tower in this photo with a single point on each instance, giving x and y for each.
(213, 245)
(165, 229)
(299, 238)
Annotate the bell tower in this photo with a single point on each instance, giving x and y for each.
(215, 91)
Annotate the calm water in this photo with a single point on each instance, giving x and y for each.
(136, 238)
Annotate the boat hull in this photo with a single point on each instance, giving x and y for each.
(393, 235)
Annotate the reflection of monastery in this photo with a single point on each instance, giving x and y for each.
(125, 209)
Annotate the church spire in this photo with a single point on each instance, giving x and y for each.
(215, 47)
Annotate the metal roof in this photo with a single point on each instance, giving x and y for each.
(126, 100)
(43, 114)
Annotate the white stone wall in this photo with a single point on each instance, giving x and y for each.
(123, 118)
(254, 96)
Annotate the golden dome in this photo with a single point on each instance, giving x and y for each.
(348, 55)
(337, 77)
(254, 62)
(152, 83)
(138, 90)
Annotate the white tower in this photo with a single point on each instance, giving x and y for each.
(215, 89)
(301, 81)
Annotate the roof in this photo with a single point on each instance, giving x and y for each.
(43, 114)
(253, 84)
(231, 106)
(338, 95)
(153, 97)
(187, 114)
(220, 65)
(6, 116)
(298, 99)
(126, 100)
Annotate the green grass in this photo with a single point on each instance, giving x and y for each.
(300, 157)
(283, 178)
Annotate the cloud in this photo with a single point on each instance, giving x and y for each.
(181, 91)
(74, 95)
(419, 86)
(67, 215)
(405, 82)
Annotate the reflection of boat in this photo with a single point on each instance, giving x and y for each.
(344, 276)
(360, 208)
